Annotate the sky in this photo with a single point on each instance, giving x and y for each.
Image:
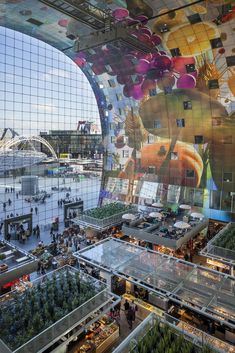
(41, 89)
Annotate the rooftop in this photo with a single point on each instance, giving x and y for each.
(196, 287)
(14, 262)
(222, 246)
(164, 232)
(78, 299)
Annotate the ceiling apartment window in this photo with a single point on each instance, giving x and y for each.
(180, 123)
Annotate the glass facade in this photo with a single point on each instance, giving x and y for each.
(42, 90)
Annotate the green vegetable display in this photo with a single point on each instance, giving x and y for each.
(28, 314)
(227, 240)
(108, 210)
(163, 339)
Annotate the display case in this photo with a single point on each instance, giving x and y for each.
(100, 336)
(202, 336)
(144, 308)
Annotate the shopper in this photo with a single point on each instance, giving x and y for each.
(130, 317)
(39, 267)
(37, 231)
(126, 306)
(134, 308)
(43, 271)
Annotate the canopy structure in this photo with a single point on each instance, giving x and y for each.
(201, 289)
(128, 216)
(197, 215)
(182, 225)
(155, 215)
(157, 204)
(185, 207)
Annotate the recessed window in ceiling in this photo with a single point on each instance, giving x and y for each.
(230, 60)
(216, 43)
(195, 18)
(213, 84)
(175, 52)
(35, 22)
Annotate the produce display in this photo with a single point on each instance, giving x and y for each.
(29, 313)
(162, 339)
(227, 240)
(108, 210)
(223, 346)
(100, 336)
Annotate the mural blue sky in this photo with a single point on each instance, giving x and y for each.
(41, 88)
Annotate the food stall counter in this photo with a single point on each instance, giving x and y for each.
(100, 336)
(143, 307)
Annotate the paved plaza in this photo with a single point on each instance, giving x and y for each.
(87, 190)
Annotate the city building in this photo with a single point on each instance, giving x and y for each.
(74, 143)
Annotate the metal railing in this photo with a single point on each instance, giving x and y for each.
(196, 336)
(104, 222)
(73, 318)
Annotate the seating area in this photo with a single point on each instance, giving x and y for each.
(166, 224)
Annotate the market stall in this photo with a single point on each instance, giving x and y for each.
(100, 336)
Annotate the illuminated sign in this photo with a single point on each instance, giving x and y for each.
(64, 155)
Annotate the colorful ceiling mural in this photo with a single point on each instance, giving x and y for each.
(167, 115)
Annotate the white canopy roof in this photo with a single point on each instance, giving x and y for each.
(185, 207)
(128, 216)
(155, 215)
(182, 225)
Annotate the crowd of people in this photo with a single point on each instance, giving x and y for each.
(70, 239)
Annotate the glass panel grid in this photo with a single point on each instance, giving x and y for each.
(193, 285)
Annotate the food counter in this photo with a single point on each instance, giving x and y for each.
(143, 307)
(213, 341)
(100, 336)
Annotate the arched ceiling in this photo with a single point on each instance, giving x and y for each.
(192, 46)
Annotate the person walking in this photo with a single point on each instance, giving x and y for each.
(9, 202)
(39, 267)
(43, 271)
(36, 210)
(126, 306)
(134, 308)
(37, 231)
(130, 317)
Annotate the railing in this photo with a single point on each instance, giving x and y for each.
(196, 336)
(219, 252)
(63, 325)
(104, 222)
(222, 252)
(199, 337)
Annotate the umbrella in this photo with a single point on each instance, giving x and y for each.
(157, 204)
(197, 215)
(182, 225)
(128, 216)
(155, 215)
(185, 207)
